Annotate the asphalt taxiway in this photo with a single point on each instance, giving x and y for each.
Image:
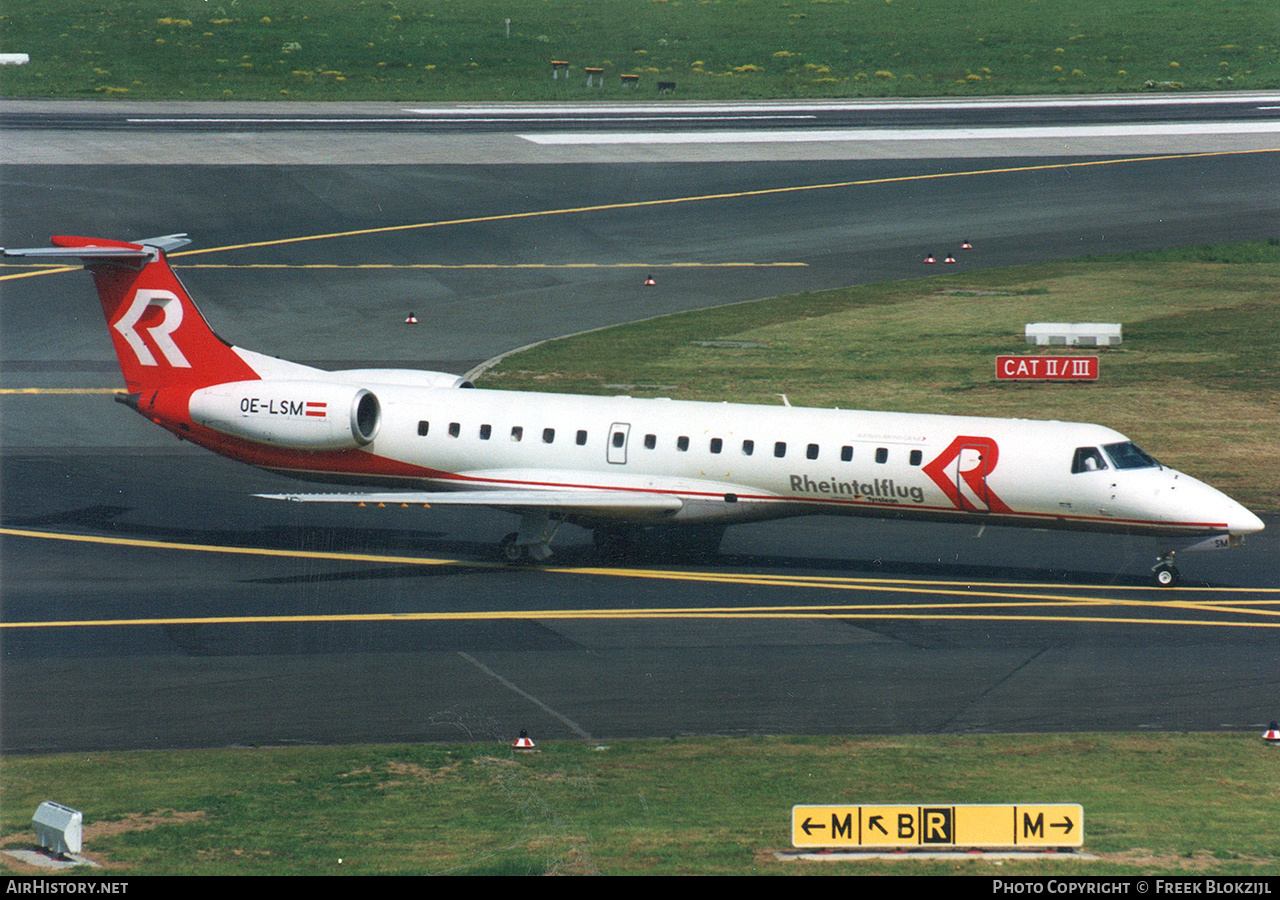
(137, 617)
(151, 601)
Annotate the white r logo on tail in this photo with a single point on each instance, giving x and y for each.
(161, 334)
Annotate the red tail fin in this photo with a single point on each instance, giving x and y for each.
(160, 337)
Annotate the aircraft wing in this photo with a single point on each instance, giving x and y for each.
(593, 501)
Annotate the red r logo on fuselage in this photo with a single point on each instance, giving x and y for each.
(961, 472)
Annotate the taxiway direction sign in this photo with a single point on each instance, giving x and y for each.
(939, 826)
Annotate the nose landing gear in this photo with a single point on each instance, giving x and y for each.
(1164, 571)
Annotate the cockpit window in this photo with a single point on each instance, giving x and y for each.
(1126, 455)
(1088, 459)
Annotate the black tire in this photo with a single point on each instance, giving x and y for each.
(512, 553)
(1165, 575)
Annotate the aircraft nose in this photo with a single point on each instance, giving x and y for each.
(1241, 521)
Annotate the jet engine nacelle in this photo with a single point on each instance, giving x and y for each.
(301, 415)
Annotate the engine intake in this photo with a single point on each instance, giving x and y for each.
(301, 415)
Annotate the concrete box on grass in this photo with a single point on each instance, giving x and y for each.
(58, 827)
(1074, 334)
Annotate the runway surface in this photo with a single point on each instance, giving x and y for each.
(73, 132)
(150, 601)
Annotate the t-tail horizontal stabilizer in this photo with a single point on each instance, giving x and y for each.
(96, 248)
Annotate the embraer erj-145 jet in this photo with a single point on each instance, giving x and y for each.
(619, 465)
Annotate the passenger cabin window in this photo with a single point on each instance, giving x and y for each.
(882, 454)
(811, 452)
(780, 449)
(682, 444)
(517, 433)
(1087, 459)
(748, 447)
(619, 438)
(1126, 455)
(917, 457)
(548, 435)
(846, 453)
(582, 438)
(650, 441)
(716, 445)
(486, 431)
(454, 429)
(423, 428)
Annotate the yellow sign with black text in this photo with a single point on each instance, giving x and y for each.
(939, 826)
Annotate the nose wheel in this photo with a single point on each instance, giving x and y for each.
(1165, 572)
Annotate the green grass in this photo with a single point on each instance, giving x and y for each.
(446, 50)
(1189, 804)
(1196, 381)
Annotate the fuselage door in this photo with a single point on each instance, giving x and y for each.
(972, 467)
(617, 450)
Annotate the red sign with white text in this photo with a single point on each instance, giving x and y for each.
(1047, 368)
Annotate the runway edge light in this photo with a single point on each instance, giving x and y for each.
(524, 742)
(1272, 735)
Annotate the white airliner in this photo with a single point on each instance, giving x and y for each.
(619, 465)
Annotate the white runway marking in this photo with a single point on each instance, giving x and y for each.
(327, 120)
(1064, 132)
(569, 723)
(1080, 102)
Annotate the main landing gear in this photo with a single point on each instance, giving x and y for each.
(512, 552)
(1164, 571)
(532, 543)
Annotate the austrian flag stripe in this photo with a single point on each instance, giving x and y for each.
(316, 408)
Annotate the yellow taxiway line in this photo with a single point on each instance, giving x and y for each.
(1002, 595)
(703, 198)
(669, 201)
(57, 391)
(843, 613)
(498, 266)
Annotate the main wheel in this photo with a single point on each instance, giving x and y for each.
(512, 552)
